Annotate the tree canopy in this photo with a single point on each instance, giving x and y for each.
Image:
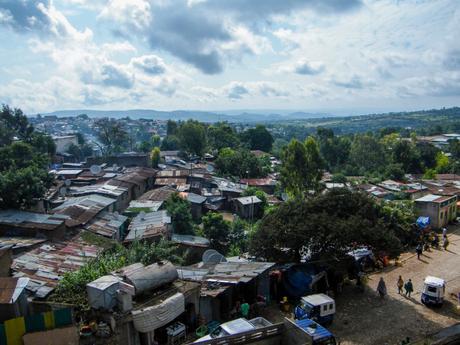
(181, 215)
(112, 135)
(326, 225)
(217, 230)
(301, 168)
(258, 138)
(192, 137)
(23, 163)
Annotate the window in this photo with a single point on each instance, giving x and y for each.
(331, 306)
(441, 215)
(324, 307)
(432, 289)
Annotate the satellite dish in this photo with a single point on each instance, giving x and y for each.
(114, 167)
(116, 213)
(210, 168)
(63, 191)
(95, 169)
(67, 182)
(142, 215)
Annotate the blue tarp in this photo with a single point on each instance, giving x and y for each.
(423, 222)
(313, 329)
(297, 280)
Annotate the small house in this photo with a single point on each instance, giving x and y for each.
(13, 298)
(248, 207)
(441, 209)
(150, 226)
(197, 203)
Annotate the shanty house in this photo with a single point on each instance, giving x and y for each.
(197, 203)
(29, 224)
(13, 298)
(248, 207)
(441, 209)
(149, 226)
(108, 224)
(83, 209)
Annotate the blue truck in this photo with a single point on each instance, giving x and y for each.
(318, 334)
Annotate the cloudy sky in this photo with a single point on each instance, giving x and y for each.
(230, 54)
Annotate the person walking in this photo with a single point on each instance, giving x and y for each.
(445, 242)
(444, 232)
(400, 285)
(382, 288)
(409, 288)
(418, 250)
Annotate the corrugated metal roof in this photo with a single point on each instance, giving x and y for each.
(148, 224)
(248, 200)
(46, 264)
(190, 240)
(152, 205)
(82, 209)
(195, 198)
(20, 242)
(159, 194)
(11, 289)
(31, 220)
(106, 224)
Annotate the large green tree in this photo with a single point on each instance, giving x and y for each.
(181, 215)
(217, 230)
(301, 168)
(221, 135)
(258, 138)
(327, 225)
(24, 162)
(192, 137)
(367, 154)
(112, 135)
(240, 163)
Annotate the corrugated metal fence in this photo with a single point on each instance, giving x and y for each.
(11, 331)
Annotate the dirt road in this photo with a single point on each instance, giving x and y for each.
(363, 318)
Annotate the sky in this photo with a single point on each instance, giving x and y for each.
(309, 55)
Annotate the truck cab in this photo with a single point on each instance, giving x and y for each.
(318, 307)
(433, 291)
(318, 334)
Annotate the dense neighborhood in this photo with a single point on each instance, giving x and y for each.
(154, 232)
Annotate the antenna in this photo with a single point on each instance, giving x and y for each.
(95, 169)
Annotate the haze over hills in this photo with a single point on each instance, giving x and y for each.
(203, 116)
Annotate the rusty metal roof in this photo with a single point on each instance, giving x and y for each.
(11, 289)
(159, 194)
(47, 264)
(106, 224)
(150, 224)
(84, 208)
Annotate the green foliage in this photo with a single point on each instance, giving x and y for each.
(72, 288)
(367, 153)
(442, 163)
(170, 143)
(237, 237)
(171, 127)
(217, 230)
(221, 135)
(240, 163)
(258, 138)
(301, 169)
(339, 178)
(395, 172)
(181, 215)
(192, 137)
(327, 225)
(23, 164)
(253, 191)
(155, 157)
(112, 135)
(430, 174)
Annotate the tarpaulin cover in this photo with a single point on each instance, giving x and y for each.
(297, 280)
(149, 319)
(423, 222)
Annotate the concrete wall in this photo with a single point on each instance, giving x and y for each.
(5, 261)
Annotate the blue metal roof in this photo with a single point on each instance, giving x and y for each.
(317, 332)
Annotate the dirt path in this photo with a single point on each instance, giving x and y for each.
(363, 318)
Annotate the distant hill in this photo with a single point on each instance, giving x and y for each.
(203, 116)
